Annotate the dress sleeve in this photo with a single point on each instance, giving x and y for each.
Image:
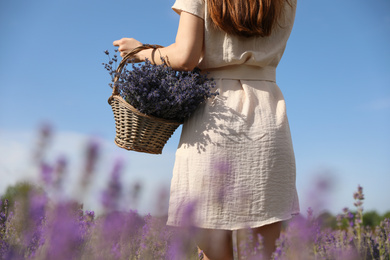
(195, 7)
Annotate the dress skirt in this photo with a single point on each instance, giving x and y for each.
(235, 164)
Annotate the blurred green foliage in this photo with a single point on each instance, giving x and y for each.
(370, 219)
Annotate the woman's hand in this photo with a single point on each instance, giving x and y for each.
(183, 55)
(125, 45)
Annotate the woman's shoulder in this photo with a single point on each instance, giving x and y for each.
(195, 7)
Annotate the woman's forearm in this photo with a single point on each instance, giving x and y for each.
(176, 57)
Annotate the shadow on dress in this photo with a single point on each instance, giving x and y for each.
(214, 123)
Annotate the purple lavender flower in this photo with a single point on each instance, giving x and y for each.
(46, 173)
(112, 194)
(44, 139)
(160, 91)
(59, 171)
(63, 234)
(135, 191)
(120, 228)
(310, 213)
(92, 156)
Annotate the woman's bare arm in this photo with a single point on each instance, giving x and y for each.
(184, 54)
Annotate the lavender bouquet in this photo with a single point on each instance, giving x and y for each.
(159, 90)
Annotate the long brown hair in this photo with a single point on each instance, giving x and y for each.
(246, 17)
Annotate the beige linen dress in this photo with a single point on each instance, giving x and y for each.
(235, 165)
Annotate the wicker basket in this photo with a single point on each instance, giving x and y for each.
(134, 130)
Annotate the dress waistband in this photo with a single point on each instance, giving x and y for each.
(245, 72)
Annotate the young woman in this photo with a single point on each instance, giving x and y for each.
(235, 165)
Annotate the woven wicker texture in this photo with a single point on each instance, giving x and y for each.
(136, 131)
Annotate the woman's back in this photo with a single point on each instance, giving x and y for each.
(222, 49)
(239, 144)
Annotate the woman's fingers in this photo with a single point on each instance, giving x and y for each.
(125, 45)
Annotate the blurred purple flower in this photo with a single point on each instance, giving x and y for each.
(310, 213)
(92, 156)
(46, 173)
(112, 194)
(359, 194)
(59, 171)
(155, 238)
(44, 139)
(64, 235)
(135, 191)
(121, 228)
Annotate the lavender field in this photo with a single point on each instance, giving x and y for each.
(37, 224)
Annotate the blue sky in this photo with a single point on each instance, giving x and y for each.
(335, 76)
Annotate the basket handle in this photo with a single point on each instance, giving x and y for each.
(125, 59)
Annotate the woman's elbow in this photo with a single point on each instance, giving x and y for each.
(186, 59)
(185, 63)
